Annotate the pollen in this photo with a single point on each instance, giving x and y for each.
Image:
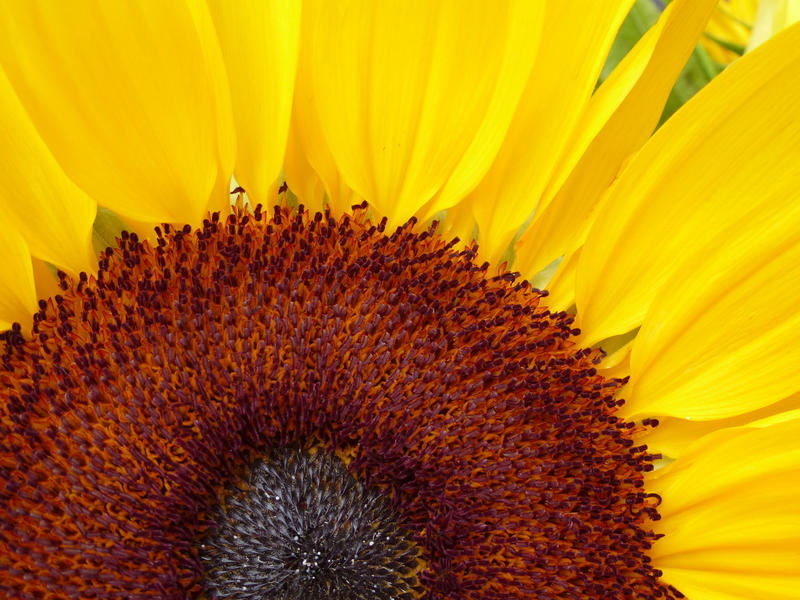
(147, 393)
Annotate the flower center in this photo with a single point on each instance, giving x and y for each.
(301, 527)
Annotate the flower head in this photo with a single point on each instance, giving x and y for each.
(348, 400)
(455, 393)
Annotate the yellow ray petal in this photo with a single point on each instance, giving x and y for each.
(729, 507)
(124, 96)
(37, 200)
(575, 41)
(709, 585)
(561, 288)
(413, 98)
(772, 16)
(723, 341)
(301, 178)
(259, 42)
(730, 24)
(459, 222)
(673, 435)
(620, 117)
(617, 365)
(17, 290)
(309, 168)
(45, 278)
(727, 155)
(219, 91)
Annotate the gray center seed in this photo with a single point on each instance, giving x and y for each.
(303, 528)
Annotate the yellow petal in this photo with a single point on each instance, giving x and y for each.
(259, 42)
(730, 23)
(620, 117)
(309, 168)
(17, 291)
(219, 91)
(772, 16)
(739, 585)
(46, 279)
(673, 435)
(730, 516)
(459, 222)
(617, 364)
(413, 98)
(575, 41)
(729, 154)
(301, 178)
(125, 97)
(37, 200)
(723, 341)
(561, 288)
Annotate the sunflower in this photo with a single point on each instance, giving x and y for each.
(355, 396)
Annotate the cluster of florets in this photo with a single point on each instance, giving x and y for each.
(146, 391)
(303, 527)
